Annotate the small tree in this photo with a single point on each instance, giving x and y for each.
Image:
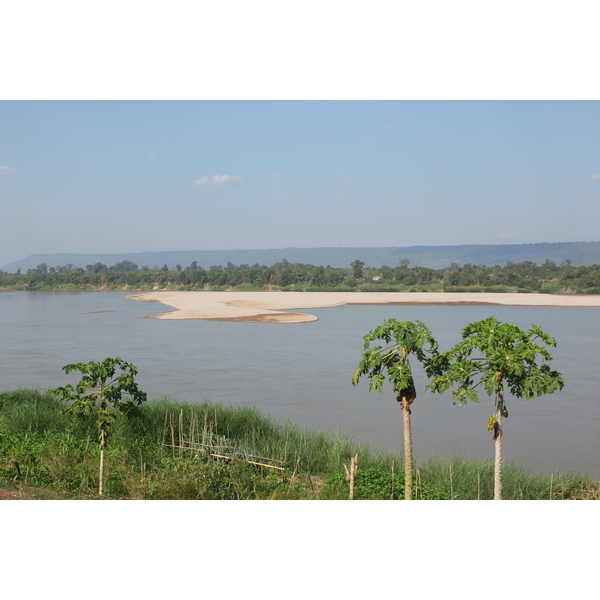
(357, 268)
(511, 357)
(101, 386)
(404, 338)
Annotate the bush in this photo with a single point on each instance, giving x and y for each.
(373, 484)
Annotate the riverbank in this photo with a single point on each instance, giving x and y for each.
(177, 450)
(269, 307)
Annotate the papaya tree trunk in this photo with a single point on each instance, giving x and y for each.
(101, 476)
(408, 451)
(498, 439)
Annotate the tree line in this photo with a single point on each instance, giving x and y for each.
(525, 276)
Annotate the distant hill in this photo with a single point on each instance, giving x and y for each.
(434, 257)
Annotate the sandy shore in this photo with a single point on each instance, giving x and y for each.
(267, 307)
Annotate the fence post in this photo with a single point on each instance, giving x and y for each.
(351, 475)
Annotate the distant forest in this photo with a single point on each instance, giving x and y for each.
(432, 257)
(524, 276)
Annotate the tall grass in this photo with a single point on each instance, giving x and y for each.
(473, 480)
(173, 449)
(249, 429)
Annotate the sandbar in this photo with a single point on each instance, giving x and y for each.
(269, 307)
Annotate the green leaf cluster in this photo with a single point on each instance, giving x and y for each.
(492, 354)
(391, 362)
(374, 484)
(101, 389)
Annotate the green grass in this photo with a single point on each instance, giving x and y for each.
(472, 480)
(235, 450)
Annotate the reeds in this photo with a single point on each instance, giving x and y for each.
(173, 449)
(474, 480)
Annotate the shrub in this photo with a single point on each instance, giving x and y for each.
(373, 484)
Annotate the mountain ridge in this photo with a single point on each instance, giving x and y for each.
(434, 257)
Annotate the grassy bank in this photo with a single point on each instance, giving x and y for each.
(176, 450)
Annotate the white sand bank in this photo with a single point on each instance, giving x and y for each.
(266, 307)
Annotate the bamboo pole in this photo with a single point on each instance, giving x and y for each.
(351, 474)
(215, 455)
(199, 447)
(294, 472)
(193, 424)
(181, 426)
(251, 462)
(164, 433)
(172, 432)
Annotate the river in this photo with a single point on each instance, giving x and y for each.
(302, 372)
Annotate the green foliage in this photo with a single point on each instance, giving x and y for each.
(56, 452)
(524, 276)
(357, 268)
(510, 355)
(403, 338)
(374, 484)
(30, 411)
(100, 390)
(100, 383)
(53, 458)
(391, 363)
(459, 479)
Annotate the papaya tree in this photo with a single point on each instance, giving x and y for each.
(505, 357)
(403, 339)
(101, 389)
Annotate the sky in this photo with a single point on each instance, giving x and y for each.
(263, 126)
(133, 176)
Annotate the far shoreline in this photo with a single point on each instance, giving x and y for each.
(267, 307)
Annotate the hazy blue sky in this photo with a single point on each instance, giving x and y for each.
(132, 176)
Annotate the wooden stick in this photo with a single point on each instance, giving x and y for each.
(181, 426)
(190, 446)
(350, 476)
(172, 432)
(294, 473)
(164, 430)
(251, 462)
